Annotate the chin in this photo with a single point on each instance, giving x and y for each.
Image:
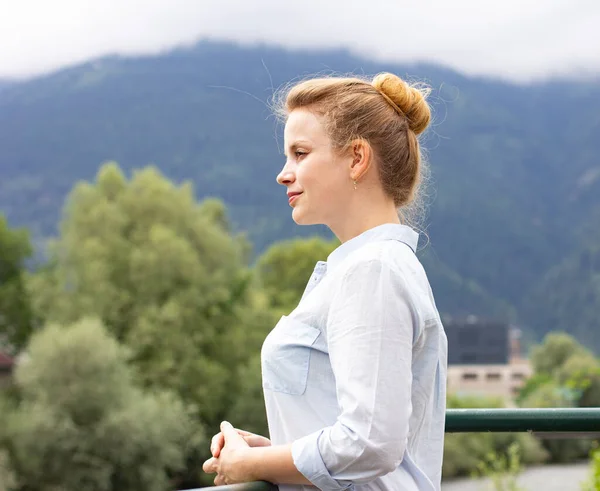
(302, 218)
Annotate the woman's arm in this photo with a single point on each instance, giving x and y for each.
(276, 465)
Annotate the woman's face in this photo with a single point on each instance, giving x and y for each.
(316, 177)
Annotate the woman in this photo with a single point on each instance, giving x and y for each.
(355, 377)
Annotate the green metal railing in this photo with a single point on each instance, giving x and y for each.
(563, 421)
(551, 422)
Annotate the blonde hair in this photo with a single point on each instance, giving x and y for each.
(387, 112)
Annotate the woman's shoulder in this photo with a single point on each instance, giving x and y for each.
(388, 260)
(383, 254)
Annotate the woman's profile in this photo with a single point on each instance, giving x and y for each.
(354, 378)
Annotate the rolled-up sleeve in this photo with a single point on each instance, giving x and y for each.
(370, 329)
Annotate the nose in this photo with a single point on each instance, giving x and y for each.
(286, 176)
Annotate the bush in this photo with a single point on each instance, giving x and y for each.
(464, 452)
(561, 450)
(593, 483)
(82, 423)
(502, 470)
(7, 479)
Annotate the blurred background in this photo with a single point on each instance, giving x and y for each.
(146, 249)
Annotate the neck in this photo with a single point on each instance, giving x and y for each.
(366, 218)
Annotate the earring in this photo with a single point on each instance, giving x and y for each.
(354, 181)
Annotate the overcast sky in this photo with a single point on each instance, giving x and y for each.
(522, 40)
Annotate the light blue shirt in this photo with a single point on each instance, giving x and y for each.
(355, 377)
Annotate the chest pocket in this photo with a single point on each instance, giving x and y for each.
(285, 356)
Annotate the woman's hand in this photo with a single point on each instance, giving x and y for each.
(251, 439)
(231, 463)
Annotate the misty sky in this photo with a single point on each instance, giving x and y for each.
(521, 40)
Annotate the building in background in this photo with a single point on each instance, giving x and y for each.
(485, 359)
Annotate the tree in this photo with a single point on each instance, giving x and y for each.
(7, 479)
(554, 351)
(574, 370)
(285, 268)
(248, 410)
(581, 374)
(566, 374)
(165, 276)
(82, 423)
(552, 394)
(16, 320)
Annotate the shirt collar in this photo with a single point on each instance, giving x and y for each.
(387, 231)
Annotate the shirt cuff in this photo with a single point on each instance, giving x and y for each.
(307, 459)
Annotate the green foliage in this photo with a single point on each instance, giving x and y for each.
(473, 401)
(502, 469)
(581, 375)
(171, 283)
(16, 319)
(552, 394)
(465, 452)
(571, 292)
(556, 348)
(531, 385)
(459, 295)
(164, 275)
(566, 375)
(285, 268)
(83, 424)
(7, 478)
(593, 483)
(248, 410)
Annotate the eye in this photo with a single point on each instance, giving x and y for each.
(299, 154)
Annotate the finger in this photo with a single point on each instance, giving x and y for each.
(257, 441)
(229, 432)
(210, 466)
(244, 432)
(226, 427)
(219, 480)
(217, 443)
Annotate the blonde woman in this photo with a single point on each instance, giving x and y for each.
(354, 378)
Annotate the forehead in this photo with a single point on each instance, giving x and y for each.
(304, 125)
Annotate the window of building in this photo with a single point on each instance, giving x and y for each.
(469, 376)
(493, 376)
(468, 337)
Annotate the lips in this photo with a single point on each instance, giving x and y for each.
(292, 197)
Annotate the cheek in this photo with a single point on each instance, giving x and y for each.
(322, 179)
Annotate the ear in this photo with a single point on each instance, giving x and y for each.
(360, 153)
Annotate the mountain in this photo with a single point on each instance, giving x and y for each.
(571, 288)
(515, 173)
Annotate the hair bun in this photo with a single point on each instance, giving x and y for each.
(411, 101)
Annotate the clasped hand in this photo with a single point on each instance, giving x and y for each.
(229, 449)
